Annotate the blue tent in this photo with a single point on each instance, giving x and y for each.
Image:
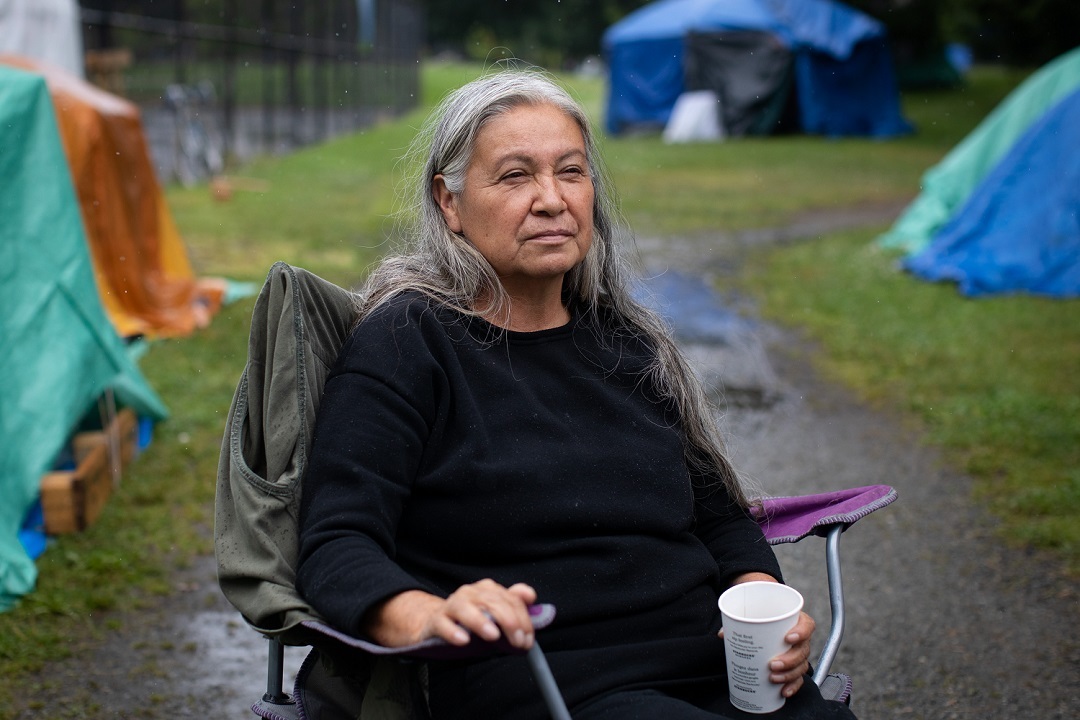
(1019, 231)
(837, 58)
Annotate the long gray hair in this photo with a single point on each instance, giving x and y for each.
(445, 266)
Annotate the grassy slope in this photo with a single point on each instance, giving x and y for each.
(992, 380)
(995, 380)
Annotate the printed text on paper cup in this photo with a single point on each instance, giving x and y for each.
(742, 647)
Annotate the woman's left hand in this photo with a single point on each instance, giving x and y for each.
(788, 668)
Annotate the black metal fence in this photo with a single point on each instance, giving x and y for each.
(228, 79)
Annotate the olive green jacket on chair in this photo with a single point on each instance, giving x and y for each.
(297, 328)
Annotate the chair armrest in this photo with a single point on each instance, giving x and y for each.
(438, 649)
(435, 648)
(790, 519)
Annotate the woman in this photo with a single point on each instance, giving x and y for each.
(507, 424)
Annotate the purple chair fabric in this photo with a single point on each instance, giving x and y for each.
(790, 519)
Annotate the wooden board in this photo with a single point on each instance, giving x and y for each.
(72, 500)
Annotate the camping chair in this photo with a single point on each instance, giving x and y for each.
(298, 325)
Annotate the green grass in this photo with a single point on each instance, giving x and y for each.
(993, 381)
(328, 208)
(763, 182)
(750, 183)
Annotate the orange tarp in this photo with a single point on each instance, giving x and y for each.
(140, 262)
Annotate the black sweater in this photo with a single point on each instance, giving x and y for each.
(445, 453)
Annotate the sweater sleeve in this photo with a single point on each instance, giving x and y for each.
(734, 539)
(377, 409)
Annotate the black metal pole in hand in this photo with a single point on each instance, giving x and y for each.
(550, 690)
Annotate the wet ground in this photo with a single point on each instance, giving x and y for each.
(944, 620)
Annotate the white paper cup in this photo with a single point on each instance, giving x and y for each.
(756, 616)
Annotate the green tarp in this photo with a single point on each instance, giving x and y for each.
(60, 353)
(947, 185)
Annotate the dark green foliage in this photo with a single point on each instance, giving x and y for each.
(560, 30)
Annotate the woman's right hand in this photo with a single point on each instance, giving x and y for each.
(485, 608)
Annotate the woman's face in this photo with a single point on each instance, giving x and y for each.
(527, 201)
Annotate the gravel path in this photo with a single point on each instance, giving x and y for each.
(944, 621)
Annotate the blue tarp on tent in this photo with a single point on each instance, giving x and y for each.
(1020, 229)
(945, 187)
(844, 76)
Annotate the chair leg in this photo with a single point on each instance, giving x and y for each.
(836, 601)
(275, 672)
(548, 687)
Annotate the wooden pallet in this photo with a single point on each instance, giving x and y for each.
(72, 500)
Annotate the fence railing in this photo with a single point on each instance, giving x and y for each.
(252, 77)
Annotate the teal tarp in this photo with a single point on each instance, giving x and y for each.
(60, 351)
(948, 185)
